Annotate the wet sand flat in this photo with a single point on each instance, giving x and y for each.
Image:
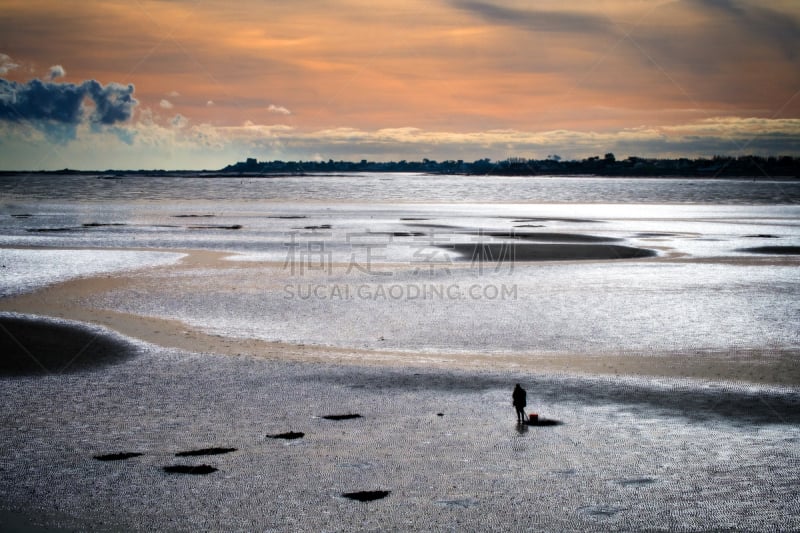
(432, 447)
(348, 439)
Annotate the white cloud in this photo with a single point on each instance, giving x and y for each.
(724, 135)
(6, 64)
(179, 121)
(173, 94)
(737, 126)
(56, 71)
(181, 144)
(165, 104)
(210, 103)
(279, 109)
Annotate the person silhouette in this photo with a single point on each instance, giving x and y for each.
(519, 399)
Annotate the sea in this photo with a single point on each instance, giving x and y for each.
(427, 263)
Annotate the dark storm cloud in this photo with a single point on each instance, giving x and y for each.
(761, 23)
(114, 102)
(544, 21)
(39, 101)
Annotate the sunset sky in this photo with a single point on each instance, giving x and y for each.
(185, 84)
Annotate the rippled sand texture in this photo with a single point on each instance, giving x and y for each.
(629, 454)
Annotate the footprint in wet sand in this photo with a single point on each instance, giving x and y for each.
(205, 451)
(117, 456)
(367, 495)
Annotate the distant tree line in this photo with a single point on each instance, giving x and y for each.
(608, 165)
(553, 165)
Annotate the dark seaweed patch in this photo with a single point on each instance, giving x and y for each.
(341, 417)
(192, 216)
(101, 224)
(48, 230)
(289, 435)
(517, 251)
(214, 226)
(198, 470)
(367, 495)
(117, 456)
(205, 451)
(773, 250)
(320, 226)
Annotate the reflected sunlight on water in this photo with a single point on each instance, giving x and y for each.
(399, 261)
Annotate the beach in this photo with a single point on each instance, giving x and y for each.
(468, 266)
(626, 453)
(637, 442)
(326, 365)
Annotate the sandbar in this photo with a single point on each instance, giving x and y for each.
(68, 300)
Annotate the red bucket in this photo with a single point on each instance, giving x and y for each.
(533, 417)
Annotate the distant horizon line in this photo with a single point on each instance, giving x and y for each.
(784, 166)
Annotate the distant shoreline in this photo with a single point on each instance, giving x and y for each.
(747, 166)
(122, 174)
